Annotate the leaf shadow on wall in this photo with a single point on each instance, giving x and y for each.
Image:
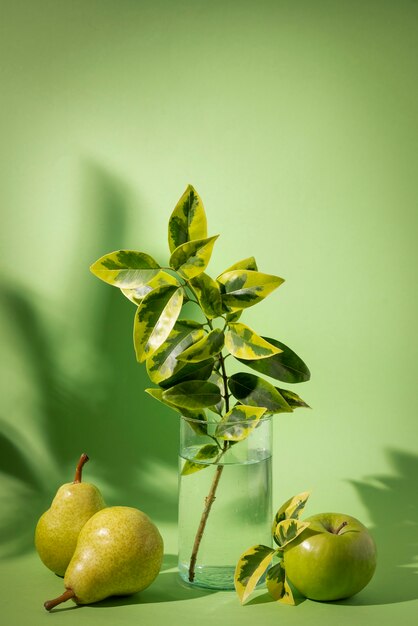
(392, 503)
(87, 391)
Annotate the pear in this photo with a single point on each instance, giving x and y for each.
(119, 552)
(58, 528)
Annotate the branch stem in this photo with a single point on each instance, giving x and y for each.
(210, 498)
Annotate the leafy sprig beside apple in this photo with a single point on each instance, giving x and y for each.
(329, 556)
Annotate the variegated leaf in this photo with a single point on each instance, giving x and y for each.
(190, 371)
(155, 318)
(292, 399)
(208, 346)
(137, 295)
(255, 391)
(287, 530)
(291, 509)
(126, 269)
(278, 586)
(188, 220)
(206, 452)
(246, 264)
(233, 317)
(251, 566)
(196, 417)
(218, 380)
(164, 363)
(244, 288)
(193, 394)
(243, 343)
(238, 423)
(191, 258)
(208, 294)
(285, 365)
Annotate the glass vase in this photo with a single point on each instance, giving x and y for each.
(224, 502)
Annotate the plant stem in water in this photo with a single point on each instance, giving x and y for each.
(210, 498)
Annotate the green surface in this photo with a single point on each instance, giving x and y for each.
(296, 121)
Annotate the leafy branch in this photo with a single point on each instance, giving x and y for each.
(185, 358)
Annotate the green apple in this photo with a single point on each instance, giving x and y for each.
(332, 559)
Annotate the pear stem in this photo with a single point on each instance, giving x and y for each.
(50, 604)
(340, 527)
(78, 470)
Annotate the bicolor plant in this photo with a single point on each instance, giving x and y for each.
(184, 358)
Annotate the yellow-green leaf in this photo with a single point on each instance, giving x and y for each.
(243, 343)
(255, 391)
(191, 258)
(206, 452)
(193, 394)
(197, 417)
(287, 530)
(155, 318)
(208, 294)
(126, 269)
(246, 264)
(188, 220)
(137, 295)
(278, 586)
(209, 345)
(244, 288)
(251, 566)
(164, 363)
(238, 423)
(291, 509)
(293, 399)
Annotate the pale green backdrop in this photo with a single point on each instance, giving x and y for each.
(297, 123)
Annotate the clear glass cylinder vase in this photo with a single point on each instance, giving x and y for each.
(224, 500)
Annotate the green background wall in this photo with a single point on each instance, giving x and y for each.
(296, 121)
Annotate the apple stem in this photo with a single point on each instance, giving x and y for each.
(340, 527)
(78, 471)
(50, 604)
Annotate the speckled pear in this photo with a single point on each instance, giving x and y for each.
(119, 552)
(58, 528)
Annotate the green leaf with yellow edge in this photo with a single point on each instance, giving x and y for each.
(292, 399)
(291, 509)
(245, 264)
(238, 423)
(208, 294)
(164, 363)
(277, 585)
(137, 295)
(208, 346)
(285, 365)
(244, 288)
(233, 317)
(188, 220)
(218, 408)
(287, 530)
(190, 371)
(243, 343)
(155, 318)
(193, 394)
(199, 424)
(191, 258)
(206, 452)
(251, 566)
(126, 269)
(255, 391)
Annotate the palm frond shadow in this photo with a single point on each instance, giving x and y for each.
(393, 507)
(88, 389)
